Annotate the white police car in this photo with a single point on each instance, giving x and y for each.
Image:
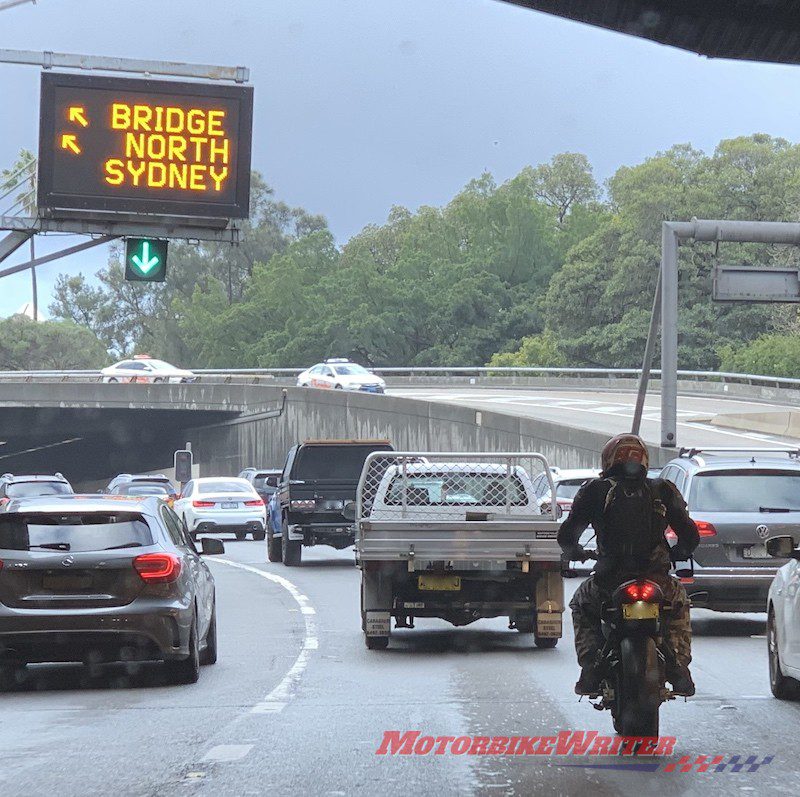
(341, 374)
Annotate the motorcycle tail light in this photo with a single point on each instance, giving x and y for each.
(641, 591)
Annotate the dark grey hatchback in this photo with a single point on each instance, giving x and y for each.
(99, 579)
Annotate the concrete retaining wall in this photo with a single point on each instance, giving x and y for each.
(226, 448)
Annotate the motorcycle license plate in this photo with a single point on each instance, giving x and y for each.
(230, 505)
(640, 611)
(755, 552)
(439, 583)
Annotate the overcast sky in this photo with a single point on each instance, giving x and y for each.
(364, 104)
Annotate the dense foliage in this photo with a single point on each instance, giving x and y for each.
(541, 270)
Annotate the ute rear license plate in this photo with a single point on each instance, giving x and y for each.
(755, 552)
(59, 583)
(439, 583)
(230, 505)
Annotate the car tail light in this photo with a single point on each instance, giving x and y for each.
(641, 591)
(255, 502)
(202, 503)
(705, 529)
(4, 501)
(157, 568)
(670, 534)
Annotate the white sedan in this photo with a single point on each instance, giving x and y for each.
(341, 375)
(783, 621)
(217, 504)
(145, 369)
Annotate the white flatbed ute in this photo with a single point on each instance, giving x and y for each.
(456, 536)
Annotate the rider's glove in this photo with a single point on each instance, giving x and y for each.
(678, 554)
(574, 553)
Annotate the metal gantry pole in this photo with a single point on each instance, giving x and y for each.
(669, 335)
(647, 362)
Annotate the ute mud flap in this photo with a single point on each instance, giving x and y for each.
(377, 624)
(549, 605)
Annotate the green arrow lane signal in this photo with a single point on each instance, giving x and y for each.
(145, 260)
(145, 263)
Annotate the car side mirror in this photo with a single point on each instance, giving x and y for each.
(210, 546)
(272, 481)
(782, 547)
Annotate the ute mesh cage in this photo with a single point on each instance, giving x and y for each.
(402, 485)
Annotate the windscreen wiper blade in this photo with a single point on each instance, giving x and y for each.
(777, 509)
(53, 546)
(125, 545)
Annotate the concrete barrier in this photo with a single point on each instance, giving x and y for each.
(225, 448)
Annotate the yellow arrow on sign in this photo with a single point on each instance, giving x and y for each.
(70, 141)
(77, 114)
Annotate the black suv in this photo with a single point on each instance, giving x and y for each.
(316, 496)
(32, 485)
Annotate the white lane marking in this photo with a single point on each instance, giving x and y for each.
(276, 700)
(227, 752)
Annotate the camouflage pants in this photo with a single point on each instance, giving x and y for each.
(586, 605)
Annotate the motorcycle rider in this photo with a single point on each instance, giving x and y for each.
(630, 514)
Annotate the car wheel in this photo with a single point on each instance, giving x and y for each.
(186, 671)
(545, 641)
(274, 552)
(781, 686)
(259, 535)
(241, 535)
(209, 652)
(112, 379)
(291, 549)
(157, 380)
(338, 387)
(377, 642)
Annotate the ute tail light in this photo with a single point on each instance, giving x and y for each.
(200, 504)
(157, 568)
(705, 529)
(255, 502)
(641, 591)
(670, 534)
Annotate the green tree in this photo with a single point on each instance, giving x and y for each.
(536, 351)
(564, 182)
(771, 355)
(50, 345)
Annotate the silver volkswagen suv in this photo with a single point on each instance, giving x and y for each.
(739, 499)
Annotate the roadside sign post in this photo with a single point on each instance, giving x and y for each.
(184, 461)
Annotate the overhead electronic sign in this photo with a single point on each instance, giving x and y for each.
(157, 147)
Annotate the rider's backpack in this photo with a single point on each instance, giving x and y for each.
(630, 520)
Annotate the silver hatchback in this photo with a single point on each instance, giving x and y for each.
(738, 500)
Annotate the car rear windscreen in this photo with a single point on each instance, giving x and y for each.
(332, 463)
(745, 491)
(137, 488)
(222, 487)
(569, 487)
(75, 532)
(29, 489)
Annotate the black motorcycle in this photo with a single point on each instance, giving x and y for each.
(632, 663)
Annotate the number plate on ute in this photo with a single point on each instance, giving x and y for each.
(451, 583)
(640, 611)
(755, 552)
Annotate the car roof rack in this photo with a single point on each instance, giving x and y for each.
(693, 451)
(346, 442)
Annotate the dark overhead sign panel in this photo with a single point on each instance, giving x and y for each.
(144, 146)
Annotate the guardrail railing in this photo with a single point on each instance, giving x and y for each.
(221, 374)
